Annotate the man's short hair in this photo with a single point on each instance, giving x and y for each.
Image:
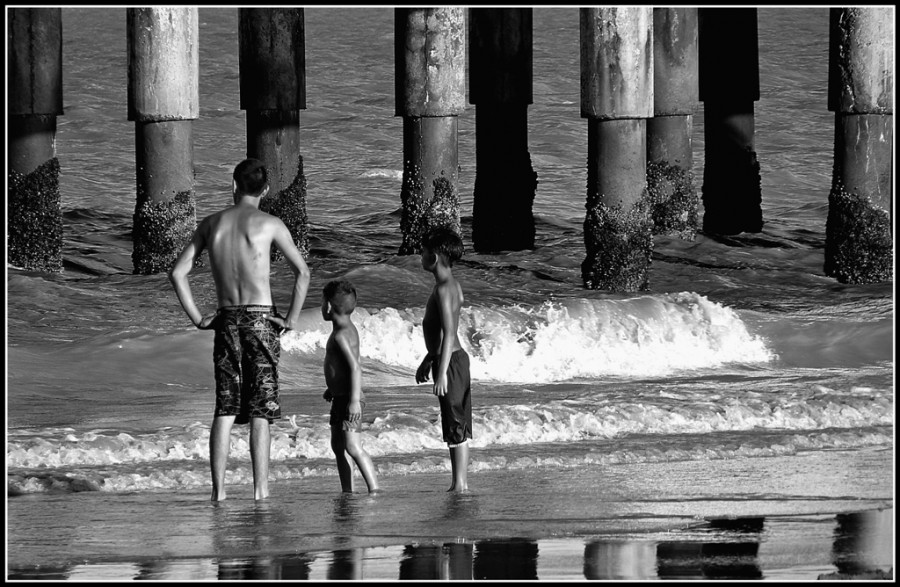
(444, 241)
(251, 177)
(341, 294)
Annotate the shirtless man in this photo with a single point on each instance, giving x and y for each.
(247, 326)
(446, 360)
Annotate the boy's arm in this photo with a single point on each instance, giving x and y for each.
(449, 325)
(285, 244)
(179, 272)
(352, 358)
(424, 370)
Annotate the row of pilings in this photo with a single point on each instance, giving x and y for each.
(644, 72)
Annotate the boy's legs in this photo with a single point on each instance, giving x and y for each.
(363, 461)
(345, 468)
(459, 467)
(219, 446)
(456, 418)
(260, 444)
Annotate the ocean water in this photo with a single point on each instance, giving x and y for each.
(743, 385)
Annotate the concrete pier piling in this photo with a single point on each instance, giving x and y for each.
(34, 100)
(617, 100)
(670, 177)
(729, 85)
(163, 100)
(500, 85)
(272, 61)
(644, 72)
(430, 66)
(858, 233)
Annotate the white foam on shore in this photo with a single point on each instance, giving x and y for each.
(650, 335)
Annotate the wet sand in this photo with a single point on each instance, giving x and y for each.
(761, 519)
(850, 546)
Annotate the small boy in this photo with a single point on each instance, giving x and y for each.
(446, 360)
(343, 376)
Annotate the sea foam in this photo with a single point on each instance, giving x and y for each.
(651, 335)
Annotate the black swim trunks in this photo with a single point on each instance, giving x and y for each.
(456, 405)
(337, 418)
(246, 350)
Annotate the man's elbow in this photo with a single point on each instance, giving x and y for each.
(177, 273)
(301, 272)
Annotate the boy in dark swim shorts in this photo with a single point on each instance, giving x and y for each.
(343, 376)
(239, 241)
(446, 360)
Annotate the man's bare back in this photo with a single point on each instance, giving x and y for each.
(239, 241)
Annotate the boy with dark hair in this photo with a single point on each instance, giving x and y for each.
(247, 346)
(446, 360)
(343, 376)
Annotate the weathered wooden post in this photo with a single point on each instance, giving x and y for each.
(670, 177)
(858, 233)
(34, 100)
(163, 100)
(500, 85)
(617, 99)
(273, 91)
(430, 66)
(729, 85)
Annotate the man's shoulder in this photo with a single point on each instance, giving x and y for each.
(211, 220)
(267, 220)
(217, 216)
(212, 217)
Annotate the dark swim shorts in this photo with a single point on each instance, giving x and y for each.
(456, 406)
(337, 419)
(246, 350)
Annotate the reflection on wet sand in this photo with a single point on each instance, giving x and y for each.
(448, 561)
(506, 559)
(346, 565)
(860, 542)
(734, 556)
(719, 549)
(228, 528)
(619, 560)
(294, 567)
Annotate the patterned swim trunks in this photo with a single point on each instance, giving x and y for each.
(246, 350)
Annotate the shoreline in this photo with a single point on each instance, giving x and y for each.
(761, 518)
(849, 546)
